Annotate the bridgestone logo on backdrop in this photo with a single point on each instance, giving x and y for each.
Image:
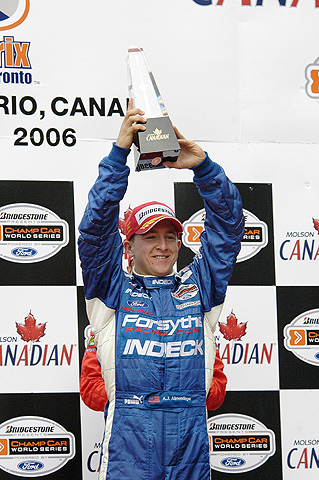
(23, 216)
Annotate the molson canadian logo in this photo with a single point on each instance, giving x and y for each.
(254, 239)
(237, 352)
(33, 353)
(302, 336)
(239, 443)
(34, 446)
(301, 244)
(157, 135)
(304, 455)
(30, 233)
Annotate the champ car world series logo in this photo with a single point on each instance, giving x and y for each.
(34, 446)
(302, 336)
(30, 233)
(254, 239)
(13, 13)
(239, 443)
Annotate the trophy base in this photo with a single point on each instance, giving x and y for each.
(158, 140)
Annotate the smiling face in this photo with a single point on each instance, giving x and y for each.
(156, 251)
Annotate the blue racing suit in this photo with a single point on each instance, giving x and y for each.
(155, 335)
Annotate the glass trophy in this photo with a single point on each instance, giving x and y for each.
(159, 139)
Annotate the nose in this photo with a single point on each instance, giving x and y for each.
(161, 243)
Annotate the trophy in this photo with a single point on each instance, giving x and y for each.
(159, 139)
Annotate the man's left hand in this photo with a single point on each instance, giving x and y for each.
(190, 155)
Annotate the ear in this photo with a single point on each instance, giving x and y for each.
(128, 247)
(179, 243)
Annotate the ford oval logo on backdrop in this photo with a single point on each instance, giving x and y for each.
(137, 304)
(233, 462)
(30, 466)
(24, 252)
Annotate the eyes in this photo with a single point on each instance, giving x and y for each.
(153, 236)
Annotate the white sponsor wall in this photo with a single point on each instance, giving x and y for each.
(240, 77)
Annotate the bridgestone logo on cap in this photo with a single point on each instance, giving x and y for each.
(152, 210)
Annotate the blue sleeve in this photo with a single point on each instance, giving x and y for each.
(224, 228)
(100, 243)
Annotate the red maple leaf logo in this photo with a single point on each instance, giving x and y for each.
(30, 331)
(232, 330)
(316, 224)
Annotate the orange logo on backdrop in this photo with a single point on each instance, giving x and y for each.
(297, 337)
(194, 233)
(315, 77)
(3, 446)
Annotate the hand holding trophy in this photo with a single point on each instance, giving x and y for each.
(158, 140)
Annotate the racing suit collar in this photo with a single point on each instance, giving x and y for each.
(155, 282)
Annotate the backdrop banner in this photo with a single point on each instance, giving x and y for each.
(239, 77)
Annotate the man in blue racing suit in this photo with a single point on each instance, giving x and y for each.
(154, 330)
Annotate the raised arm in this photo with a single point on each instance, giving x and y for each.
(224, 228)
(224, 224)
(100, 244)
